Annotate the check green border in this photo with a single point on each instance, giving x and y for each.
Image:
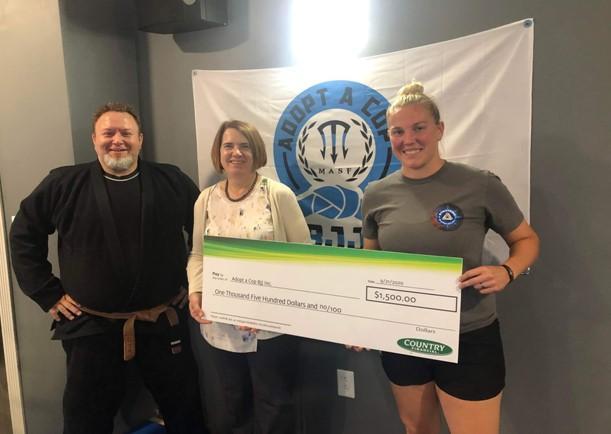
(274, 251)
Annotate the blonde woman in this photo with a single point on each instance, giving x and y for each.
(432, 206)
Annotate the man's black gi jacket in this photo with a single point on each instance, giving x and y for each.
(73, 201)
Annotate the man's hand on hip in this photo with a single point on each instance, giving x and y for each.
(67, 307)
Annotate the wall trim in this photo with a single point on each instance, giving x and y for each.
(9, 341)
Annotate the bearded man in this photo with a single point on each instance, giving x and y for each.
(119, 297)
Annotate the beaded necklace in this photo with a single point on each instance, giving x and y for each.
(252, 186)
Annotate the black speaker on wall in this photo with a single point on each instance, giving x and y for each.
(179, 16)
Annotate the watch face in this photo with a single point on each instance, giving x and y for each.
(189, 2)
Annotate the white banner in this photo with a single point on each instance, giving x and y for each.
(326, 131)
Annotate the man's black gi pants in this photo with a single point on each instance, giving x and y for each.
(95, 384)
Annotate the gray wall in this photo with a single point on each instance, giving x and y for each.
(60, 60)
(101, 62)
(555, 321)
(34, 137)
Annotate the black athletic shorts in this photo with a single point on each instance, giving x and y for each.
(478, 375)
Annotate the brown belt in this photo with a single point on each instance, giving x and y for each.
(149, 315)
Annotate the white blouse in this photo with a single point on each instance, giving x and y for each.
(249, 218)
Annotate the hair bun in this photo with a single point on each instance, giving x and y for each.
(413, 93)
(413, 88)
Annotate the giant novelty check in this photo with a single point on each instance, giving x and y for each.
(397, 302)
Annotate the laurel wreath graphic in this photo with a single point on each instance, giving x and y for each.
(368, 148)
(367, 136)
(301, 147)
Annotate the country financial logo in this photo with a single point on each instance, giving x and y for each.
(330, 142)
(425, 346)
(447, 217)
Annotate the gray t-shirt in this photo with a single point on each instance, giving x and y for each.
(446, 214)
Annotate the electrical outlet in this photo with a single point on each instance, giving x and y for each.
(345, 383)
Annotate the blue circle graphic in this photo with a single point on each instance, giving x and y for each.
(447, 217)
(332, 201)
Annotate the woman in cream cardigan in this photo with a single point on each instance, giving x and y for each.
(258, 369)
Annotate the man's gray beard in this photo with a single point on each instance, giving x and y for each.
(120, 164)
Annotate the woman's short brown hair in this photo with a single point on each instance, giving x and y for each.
(259, 156)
